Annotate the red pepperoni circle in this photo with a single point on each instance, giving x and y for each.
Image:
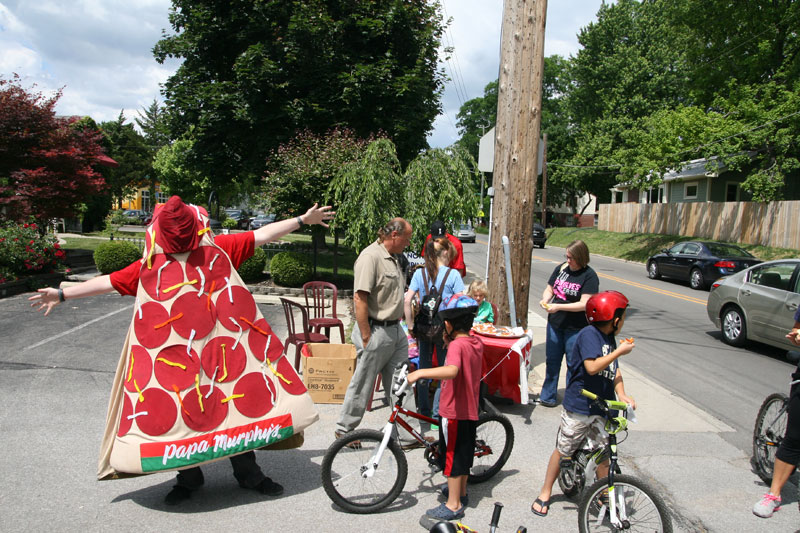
(139, 375)
(201, 259)
(257, 400)
(229, 364)
(192, 313)
(171, 275)
(125, 423)
(152, 314)
(210, 415)
(169, 375)
(161, 412)
(295, 385)
(242, 310)
(257, 340)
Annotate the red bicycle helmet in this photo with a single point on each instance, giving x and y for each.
(604, 305)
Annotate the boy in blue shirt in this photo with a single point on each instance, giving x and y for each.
(596, 369)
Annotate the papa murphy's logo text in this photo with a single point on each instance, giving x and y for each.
(166, 455)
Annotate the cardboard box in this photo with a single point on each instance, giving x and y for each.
(327, 370)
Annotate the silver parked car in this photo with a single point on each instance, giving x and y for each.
(466, 233)
(757, 304)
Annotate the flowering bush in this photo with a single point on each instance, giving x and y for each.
(23, 250)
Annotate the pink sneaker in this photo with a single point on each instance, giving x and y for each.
(767, 505)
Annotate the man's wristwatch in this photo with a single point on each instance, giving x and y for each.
(300, 222)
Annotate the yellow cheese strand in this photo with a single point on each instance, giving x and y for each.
(277, 373)
(179, 285)
(224, 366)
(170, 363)
(141, 396)
(232, 397)
(199, 395)
(152, 247)
(203, 231)
(130, 370)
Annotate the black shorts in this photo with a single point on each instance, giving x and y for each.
(456, 446)
(789, 450)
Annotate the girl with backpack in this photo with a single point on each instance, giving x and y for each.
(431, 285)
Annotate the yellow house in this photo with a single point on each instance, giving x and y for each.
(142, 200)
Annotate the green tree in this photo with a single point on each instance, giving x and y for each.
(253, 73)
(367, 193)
(177, 176)
(300, 171)
(440, 185)
(476, 117)
(127, 147)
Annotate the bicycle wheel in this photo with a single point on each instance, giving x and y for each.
(494, 438)
(644, 510)
(344, 467)
(767, 434)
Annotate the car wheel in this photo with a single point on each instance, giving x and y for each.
(652, 270)
(696, 279)
(734, 330)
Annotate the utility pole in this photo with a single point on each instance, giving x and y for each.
(519, 104)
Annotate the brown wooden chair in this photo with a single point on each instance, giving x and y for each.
(298, 336)
(321, 296)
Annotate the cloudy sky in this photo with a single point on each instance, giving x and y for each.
(100, 51)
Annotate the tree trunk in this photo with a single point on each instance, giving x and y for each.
(519, 106)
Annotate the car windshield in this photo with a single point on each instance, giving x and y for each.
(727, 250)
(466, 227)
(233, 212)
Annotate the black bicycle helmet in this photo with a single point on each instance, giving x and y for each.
(456, 306)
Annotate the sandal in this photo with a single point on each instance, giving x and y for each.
(542, 505)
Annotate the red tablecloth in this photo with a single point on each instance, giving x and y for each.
(508, 375)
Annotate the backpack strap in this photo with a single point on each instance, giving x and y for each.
(441, 288)
(425, 282)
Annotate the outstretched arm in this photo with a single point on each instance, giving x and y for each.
(46, 299)
(276, 230)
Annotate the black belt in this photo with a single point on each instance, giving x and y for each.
(383, 323)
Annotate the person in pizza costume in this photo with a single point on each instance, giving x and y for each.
(201, 376)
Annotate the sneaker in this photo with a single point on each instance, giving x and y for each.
(767, 505)
(434, 427)
(414, 444)
(355, 445)
(445, 490)
(545, 403)
(444, 513)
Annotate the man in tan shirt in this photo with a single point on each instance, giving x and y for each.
(380, 341)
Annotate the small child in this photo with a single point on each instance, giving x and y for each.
(596, 369)
(458, 403)
(478, 292)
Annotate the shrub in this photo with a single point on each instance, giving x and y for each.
(253, 268)
(230, 223)
(290, 269)
(115, 255)
(23, 250)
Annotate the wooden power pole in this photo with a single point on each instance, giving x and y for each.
(519, 105)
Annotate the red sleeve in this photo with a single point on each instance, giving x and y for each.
(126, 281)
(425, 245)
(239, 246)
(458, 262)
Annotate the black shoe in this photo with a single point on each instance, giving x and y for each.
(544, 403)
(269, 488)
(177, 495)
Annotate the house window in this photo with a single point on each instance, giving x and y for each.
(617, 197)
(146, 200)
(661, 194)
(690, 190)
(731, 192)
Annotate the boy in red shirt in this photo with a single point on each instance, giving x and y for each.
(458, 403)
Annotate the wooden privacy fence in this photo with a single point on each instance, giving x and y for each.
(774, 224)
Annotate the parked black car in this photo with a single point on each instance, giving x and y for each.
(136, 216)
(699, 263)
(241, 218)
(261, 220)
(539, 235)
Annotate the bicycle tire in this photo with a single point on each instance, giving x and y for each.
(768, 432)
(494, 432)
(342, 467)
(645, 509)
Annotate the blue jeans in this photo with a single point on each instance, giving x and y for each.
(426, 361)
(559, 342)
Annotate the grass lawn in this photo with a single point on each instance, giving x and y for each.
(640, 246)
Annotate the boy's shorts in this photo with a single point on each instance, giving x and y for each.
(575, 427)
(456, 446)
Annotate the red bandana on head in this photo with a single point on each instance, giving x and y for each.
(177, 226)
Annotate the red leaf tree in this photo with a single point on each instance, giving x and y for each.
(46, 162)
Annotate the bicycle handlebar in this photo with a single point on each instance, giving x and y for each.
(401, 381)
(606, 405)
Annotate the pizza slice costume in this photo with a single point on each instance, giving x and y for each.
(201, 376)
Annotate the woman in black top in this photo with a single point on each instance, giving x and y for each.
(569, 287)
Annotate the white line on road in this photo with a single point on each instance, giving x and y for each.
(76, 328)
